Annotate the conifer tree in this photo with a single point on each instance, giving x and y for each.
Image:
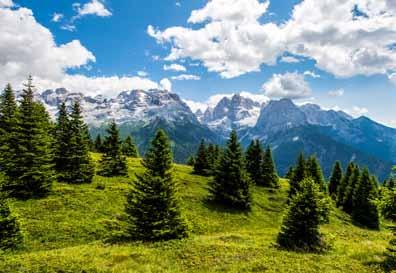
(299, 174)
(344, 184)
(254, 162)
(315, 171)
(201, 166)
(98, 145)
(390, 262)
(10, 233)
(152, 207)
(390, 183)
(335, 179)
(62, 142)
(300, 229)
(347, 204)
(290, 173)
(270, 176)
(231, 184)
(30, 169)
(212, 155)
(191, 161)
(113, 162)
(365, 211)
(129, 148)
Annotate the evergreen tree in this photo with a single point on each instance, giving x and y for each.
(191, 161)
(347, 204)
(388, 204)
(299, 174)
(254, 162)
(335, 179)
(390, 183)
(365, 211)
(290, 173)
(201, 166)
(98, 145)
(231, 184)
(152, 207)
(113, 162)
(390, 262)
(62, 142)
(316, 173)
(10, 234)
(344, 184)
(213, 157)
(29, 171)
(270, 176)
(300, 229)
(129, 148)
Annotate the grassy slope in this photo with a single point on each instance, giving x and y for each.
(64, 233)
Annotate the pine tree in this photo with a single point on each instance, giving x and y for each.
(231, 184)
(79, 167)
(30, 169)
(113, 162)
(299, 174)
(347, 204)
(365, 211)
(335, 179)
(98, 145)
(316, 173)
(344, 184)
(300, 229)
(10, 233)
(270, 176)
(129, 148)
(62, 142)
(254, 162)
(201, 166)
(152, 207)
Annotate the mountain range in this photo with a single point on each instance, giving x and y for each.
(288, 128)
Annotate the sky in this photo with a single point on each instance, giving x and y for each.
(340, 54)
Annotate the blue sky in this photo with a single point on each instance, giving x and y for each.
(341, 59)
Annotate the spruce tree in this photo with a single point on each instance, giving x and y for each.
(335, 179)
(98, 145)
(201, 166)
(270, 176)
(347, 204)
(315, 172)
(113, 162)
(152, 206)
(191, 161)
(212, 158)
(62, 142)
(129, 148)
(254, 162)
(299, 174)
(365, 211)
(30, 171)
(231, 184)
(344, 184)
(10, 233)
(290, 173)
(300, 228)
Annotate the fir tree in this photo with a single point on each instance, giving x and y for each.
(10, 234)
(212, 157)
(62, 142)
(300, 229)
(30, 169)
(347, 204)
(231, 184)
(335, 179)
(191, 161)
(290, 173)
(270, 177)
(113, 162)
(254, 162)
(129, 148)
(299, 174)
(344, 184)
(98, 145)
(315, 172)
(201, 166)
(388, 204)
(152, 207)
(365, 211)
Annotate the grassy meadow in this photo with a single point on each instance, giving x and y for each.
(69, 230)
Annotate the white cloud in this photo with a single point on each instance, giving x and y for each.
(6, 4)
(186, 77)
(178, 4)
(289, 59)
(142, 74)
(357, 111)
(195, 106)
(56, 17)
(288, 85)
(95, 7)
(311, 74)
(166, 84)
(336, 93)
(175, 67)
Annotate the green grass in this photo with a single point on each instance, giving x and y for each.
(66, 232)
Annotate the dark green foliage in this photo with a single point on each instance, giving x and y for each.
(290, 173)
(254, 162)
(299, 174)
(129, 148)
(388, 204)
(342, 188)
(152, 207)
(29, 170)
(213, 156)
(365, 211)
(10, 234)
(315, 172)
(98, 145)
(270, 176)
(191, 161)
(390, 262)
(300, 229)
(231, 184)
(201, 165)
(113, 162)
(347, 204)
(390, 183)
(335, 179)
(62, 142)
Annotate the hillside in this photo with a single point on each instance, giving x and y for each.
(65, 232)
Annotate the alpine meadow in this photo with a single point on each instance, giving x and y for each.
(198, 136)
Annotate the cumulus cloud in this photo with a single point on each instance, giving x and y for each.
(56, 17)
(357, 111)
(195, 106)
(174, 67)
(142, 73)
(230, 40)
(336, 93)
(186, 77)
(288, 85)
(95, 7)
(6, 4)
(165, 84)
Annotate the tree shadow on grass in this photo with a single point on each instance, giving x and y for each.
(213, 205)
